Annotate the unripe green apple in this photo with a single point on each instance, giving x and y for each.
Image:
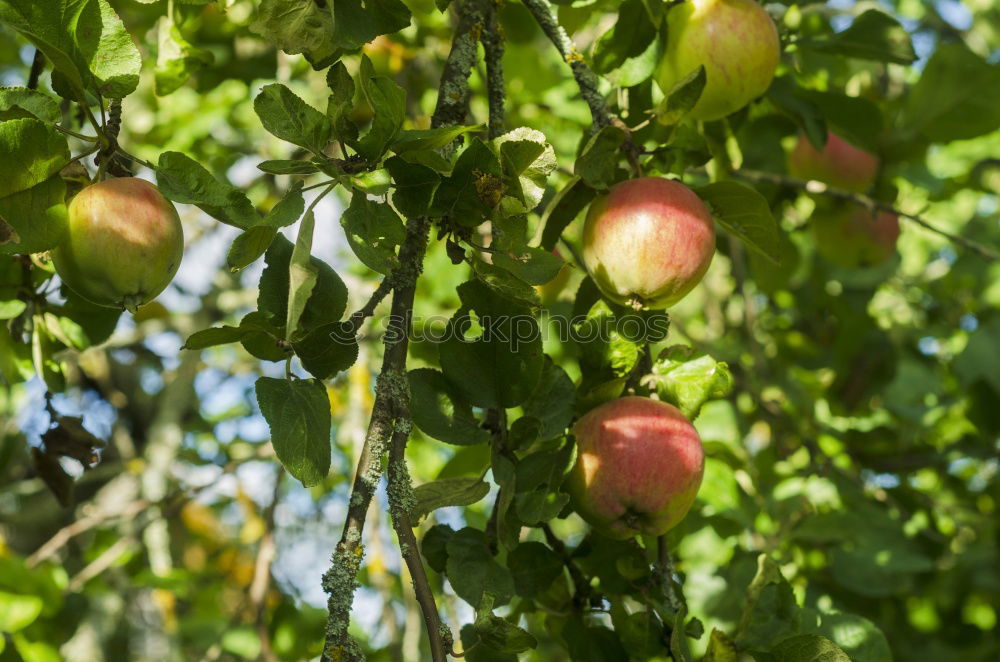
(639, 466)
(840, 164)
(851, 236)
(648, 242)
(123, 245)
(737, 43)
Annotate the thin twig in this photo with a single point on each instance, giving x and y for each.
(37, 67)
(865, 201)
(584, 593)
(70, 531)
(663, 572)
(400, 505)
(358, 317)
(585, 78)
(100, 564)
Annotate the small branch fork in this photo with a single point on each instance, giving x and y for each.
(389, 427)
(585, 78)
(865, 201)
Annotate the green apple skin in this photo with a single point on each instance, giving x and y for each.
(648, 242)
(738, 45)
(840, 164)
(639, 466)
(123, 245)
(850, 236)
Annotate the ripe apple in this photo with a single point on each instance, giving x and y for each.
(840, 164)
(737, 43)
(648, 242)
(639, 466)
(123, 244)
(851, 236)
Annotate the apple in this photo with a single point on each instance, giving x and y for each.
(737, 43)
(639, 466)
(840, 164)
(123, 244)
(648, 242)
(851, 236)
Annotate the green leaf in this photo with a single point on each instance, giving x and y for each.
(11, 308)
(298, 27)
(473, 190)
(176, 59)
(262, 337)
(538, 506)
(551, 403)
(84, 40)
(290, 118)
(533, 265)
(632, 33)
(501, 366)
(858, 636)
(770, 613)
(372, 182)
(682, 97)
(873, 35)
(534, 567)
(616, 337)
(30, 153)
(388, 102)
(302, 276)
(434, 546)
(527, 160)
(341, 103)
(440, 411)
(287, 210)
(288, 167)
(20, 102)
(598, 161)
(743, 212)
(326, 303)
(461, 491)
(808, 648)
(374, 231)
(413, 140)
(956, 98)
(298, 413)
(327, 350)
(414, 186)
(355, 23)
(219, 335)
(504, 283)
(249, 246)
(497, 633)
(688, 378)
(18, 611)
(563, 209)
(186, 181)
(472, 570)
(37, 216)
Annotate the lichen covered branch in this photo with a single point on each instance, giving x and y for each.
(492, 39)
(453, 94)
(391, 390)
